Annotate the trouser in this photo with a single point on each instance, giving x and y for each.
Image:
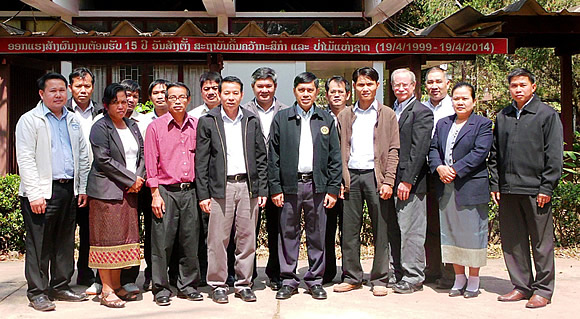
(409, 241)
(179, 223)
(363, 187)
(333, 221)
(237, 210)
(434, 268)
(289, 243)
(272, 213)
(85, 275)
(202, 250)
(521, 220)
(50, 242)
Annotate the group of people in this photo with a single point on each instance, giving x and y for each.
(204, 179)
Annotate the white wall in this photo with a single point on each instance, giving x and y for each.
(286, 72)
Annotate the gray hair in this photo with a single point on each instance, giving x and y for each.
(264, 73)
(397, 71)
(437, 69)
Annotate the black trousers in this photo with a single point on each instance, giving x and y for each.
(50, 242)
(179, 223)
(202, 250)
(85, 275)
(522, 221)
(272, 213)
(333, 221)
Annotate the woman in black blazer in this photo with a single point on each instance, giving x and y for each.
(458, 153)
(116, 176)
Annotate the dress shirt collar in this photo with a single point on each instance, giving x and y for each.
(374, 105)
(444, 101)
(75, 107)
(304, 114)
(227, 119)
(260, 108)
(47, 111)
(405, 103)
(518, 111)
(168, 118)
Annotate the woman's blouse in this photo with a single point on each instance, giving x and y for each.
(453, 132)
(131, 148)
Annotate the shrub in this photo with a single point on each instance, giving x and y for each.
(11, 222)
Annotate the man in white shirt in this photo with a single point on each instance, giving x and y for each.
(85, 110)
(265, 105)
(437, 84)
(209, 83)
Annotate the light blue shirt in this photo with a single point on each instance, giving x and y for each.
(236, 162)
(518, 111)
(400, 107)
(62, 157)
(305, 149)
(362, 152)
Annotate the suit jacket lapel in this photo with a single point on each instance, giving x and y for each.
(116, 138)
(445, 128)
(469, 125)
(405, 114)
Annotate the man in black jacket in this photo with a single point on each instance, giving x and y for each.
(415, 126)
(303, 177)
(525, 165)
(231, 171)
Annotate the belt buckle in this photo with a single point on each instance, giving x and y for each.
(237, 177)
(184, 186)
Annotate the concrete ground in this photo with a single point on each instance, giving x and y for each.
(429, 303)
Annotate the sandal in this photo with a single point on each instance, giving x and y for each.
(127, 296)
(115, 303)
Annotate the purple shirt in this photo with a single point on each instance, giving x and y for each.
(170, 151)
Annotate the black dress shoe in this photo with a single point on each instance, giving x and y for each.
(286, 292)
(219, 295)
(42, 303)
(404, 287)
(392, 281)
(67, 295)
(194, 296)
(246, 295)
(275, 284)
(163, 301)
(317, 292)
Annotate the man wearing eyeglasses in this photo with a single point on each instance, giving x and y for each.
(169, 158)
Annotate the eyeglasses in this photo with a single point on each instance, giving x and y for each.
(174, 98)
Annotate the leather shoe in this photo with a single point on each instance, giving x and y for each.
(514, 295)
(194, 296)
(537, 301)
(345, 286)
(42, 303)
(275, 284)
(317, 292)
(286, 292)
(392, 281)
(246, 295)
(163, 301)
(379, 291)
(220, 295)
(404, 287)
(67, 295)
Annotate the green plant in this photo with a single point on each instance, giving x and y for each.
(11, 222)
(566, 212)
(144, 107)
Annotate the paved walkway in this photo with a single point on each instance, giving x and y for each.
(430, 303)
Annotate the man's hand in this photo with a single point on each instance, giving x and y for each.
(341, 193)
(385, 192)
(38, 206)
(262, 201)
(206, 205)
(446, 173)
(278, 199)
(329, 201)
(495, 197)
(83, 200)
(158, 206)
(543, 200)
(404, 190)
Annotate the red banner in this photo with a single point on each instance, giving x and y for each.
(14, 45)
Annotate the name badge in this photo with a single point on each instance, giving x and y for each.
(324, 130)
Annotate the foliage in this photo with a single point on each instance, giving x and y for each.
(145, 107)
(11, 222)
(566, 211)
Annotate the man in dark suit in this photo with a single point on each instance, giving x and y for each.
(408, 240)
(85, 110)
(525, 164)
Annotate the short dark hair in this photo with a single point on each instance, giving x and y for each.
(464, 84)
(337, 78)
(81, 73)
(179, 85)
(521, 72)
(264, 73)
(131, 85)
(209, 76)
(366, 71)
(110, 93)
(231, 79)
(155, 83)
(305, 77)
(41, 82)
(435, 69)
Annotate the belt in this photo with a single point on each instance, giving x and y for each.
(237, 178)
(179, 186)
(62, 181)
(361, 171)
(304, 177)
